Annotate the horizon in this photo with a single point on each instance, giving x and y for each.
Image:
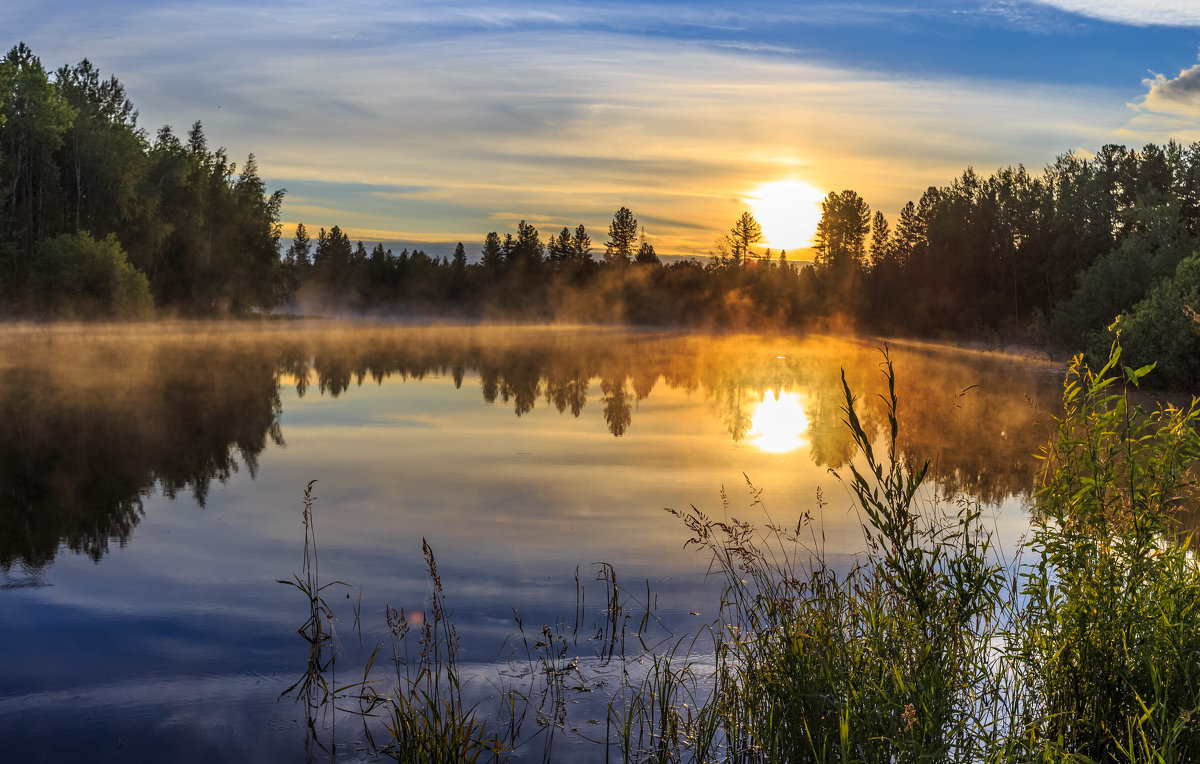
(422, 126)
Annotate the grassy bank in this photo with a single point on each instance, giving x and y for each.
(1081, 645)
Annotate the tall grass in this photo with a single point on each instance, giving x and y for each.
(1109, 637)
(890, 660)
(930, 647)
(316, 687)
(425, 716)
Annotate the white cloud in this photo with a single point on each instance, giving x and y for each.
(1168, 110)
(1178, 95)
(1183, 13)
(569, 125)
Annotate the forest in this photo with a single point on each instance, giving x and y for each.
(99, 219)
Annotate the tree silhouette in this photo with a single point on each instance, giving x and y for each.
(527, 250)
(842, 232)
(299, 252)
(646, 253)
(746, 232)
(881, 241)
(581, 245)
(490, 255)
(558, 248)
(622, 236)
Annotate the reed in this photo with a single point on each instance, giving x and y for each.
(930, 647)
(316, 685)
(425, 716)
(1108, 648)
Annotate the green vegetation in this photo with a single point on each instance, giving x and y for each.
(1054, 256)
(73, 274)
(1165, 325)
(931, 647)
(195, 232)
(1109, 635)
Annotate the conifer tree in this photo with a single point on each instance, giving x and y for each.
(746, 232)
(491, 255)
(581, 245)
(298, 254)
(646, 253)
(841, 234)
(528, 249)
(558, 249)
(881, 243)
(622, 235)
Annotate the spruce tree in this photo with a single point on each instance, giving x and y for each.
(622, 235)
(491, 255)
(581, 245)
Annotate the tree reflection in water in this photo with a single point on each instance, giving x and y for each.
(99, 418)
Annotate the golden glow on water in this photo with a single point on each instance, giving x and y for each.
(779, 424)
(788, 211)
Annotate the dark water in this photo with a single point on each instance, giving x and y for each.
(151, 482)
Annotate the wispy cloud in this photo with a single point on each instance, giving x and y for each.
(1182, 13)
(442, 117)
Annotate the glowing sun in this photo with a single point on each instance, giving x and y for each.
(788, 211)
(779, 424)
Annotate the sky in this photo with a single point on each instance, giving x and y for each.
(421, 124)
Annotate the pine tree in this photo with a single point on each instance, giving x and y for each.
(746, 232)
(528, 249)
(841, 235)
(558, 249)
(298, 254)
(622, 233)
(646, 253)
(581, 245)
(881, 241)
(491, 254)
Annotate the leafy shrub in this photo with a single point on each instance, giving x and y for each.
(77, 276)
(1162, 328)
(1109, 635)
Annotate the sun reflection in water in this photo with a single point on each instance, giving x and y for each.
(779, 424)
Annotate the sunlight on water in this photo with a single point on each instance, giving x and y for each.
(151, 478)
(779, 424)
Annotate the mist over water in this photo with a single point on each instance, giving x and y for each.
(151, 480)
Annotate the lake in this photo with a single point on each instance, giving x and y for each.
(152, 477)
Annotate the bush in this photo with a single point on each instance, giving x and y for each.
(77, 276)
(1109, 633)
(1161, 327)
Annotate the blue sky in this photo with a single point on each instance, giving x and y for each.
(428, 123)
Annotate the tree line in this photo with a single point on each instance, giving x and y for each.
(1092, 243)
(99, 218)
(566, 276)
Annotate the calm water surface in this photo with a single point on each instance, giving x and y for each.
(151, 482)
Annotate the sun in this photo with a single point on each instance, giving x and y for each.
(779, 424)
(788, 211)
